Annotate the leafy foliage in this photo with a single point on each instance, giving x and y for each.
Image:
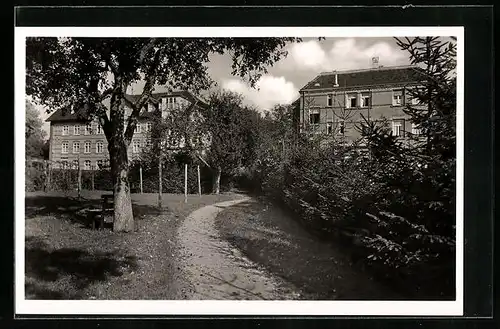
(34, 133)
(232, 129)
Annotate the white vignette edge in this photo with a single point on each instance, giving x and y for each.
(226, 307)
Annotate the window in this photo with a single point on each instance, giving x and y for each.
(65, 164)
(365, 101)
(65, 130)
(329, 100)
(136, 146)
(341, 127)
(352, 102)
(149, 144)
(98, 164)
(397, 97)
(75, 164)
(329, 128)
(397, 128)
(99, 129)
(137, 128)
(76, 147)
(415, 130)
(98, 147)
(76, 130)
(87, 147)
(87, 165)
(314, 117)
(88, 129)
(64, 147)
(148, 126)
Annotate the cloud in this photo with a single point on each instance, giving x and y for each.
(348, 53)
(269, 91)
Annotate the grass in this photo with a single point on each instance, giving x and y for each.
(66, 259)
(269, 236)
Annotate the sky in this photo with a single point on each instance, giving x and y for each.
(304, 62)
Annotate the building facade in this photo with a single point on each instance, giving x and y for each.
(335, 103)
(76, 140)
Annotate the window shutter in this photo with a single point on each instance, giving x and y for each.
(346, 100)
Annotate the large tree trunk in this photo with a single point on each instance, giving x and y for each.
(216, 183)
(123, 217)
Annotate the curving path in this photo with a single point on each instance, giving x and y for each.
(213, 269)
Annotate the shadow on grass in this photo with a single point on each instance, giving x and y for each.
(75, 209)
(69, 270)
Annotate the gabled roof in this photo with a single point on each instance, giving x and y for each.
(65, 114)
(375, 77)
(82, 114)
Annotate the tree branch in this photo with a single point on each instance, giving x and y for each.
(146, 93)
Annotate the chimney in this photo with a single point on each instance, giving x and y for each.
(336, 80)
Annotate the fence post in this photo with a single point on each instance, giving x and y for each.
(140, 176)
(159, 180)
(46, 173)
(185, 183)
(49, 184)
(93, 171)
(199, 181)
(79, 179)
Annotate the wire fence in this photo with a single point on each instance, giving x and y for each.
(45, 175)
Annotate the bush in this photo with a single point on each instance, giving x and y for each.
(380, 210)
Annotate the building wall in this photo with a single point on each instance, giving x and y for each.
(380, 109)
(57, 138)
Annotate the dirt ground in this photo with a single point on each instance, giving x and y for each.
(66, 259)
(268, 236)
(215, 270)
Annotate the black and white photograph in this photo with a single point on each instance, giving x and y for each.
(239, 171)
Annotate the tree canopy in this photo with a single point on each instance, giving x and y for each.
(82, 72)
(34, 133)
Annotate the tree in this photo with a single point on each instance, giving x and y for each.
(34, 133)
(418, 178)
(227, 122)
(63, 72)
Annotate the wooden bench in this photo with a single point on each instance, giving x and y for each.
(108, 206)
(96, 216)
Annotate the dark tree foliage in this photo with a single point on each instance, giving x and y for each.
(34, 133)
(392, 203)
(231, 127)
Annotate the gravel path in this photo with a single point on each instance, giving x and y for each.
(213, 269)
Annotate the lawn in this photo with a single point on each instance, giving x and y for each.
(66, 259)
(272, 237)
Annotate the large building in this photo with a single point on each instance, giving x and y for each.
(74, 139)
(334, 103)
